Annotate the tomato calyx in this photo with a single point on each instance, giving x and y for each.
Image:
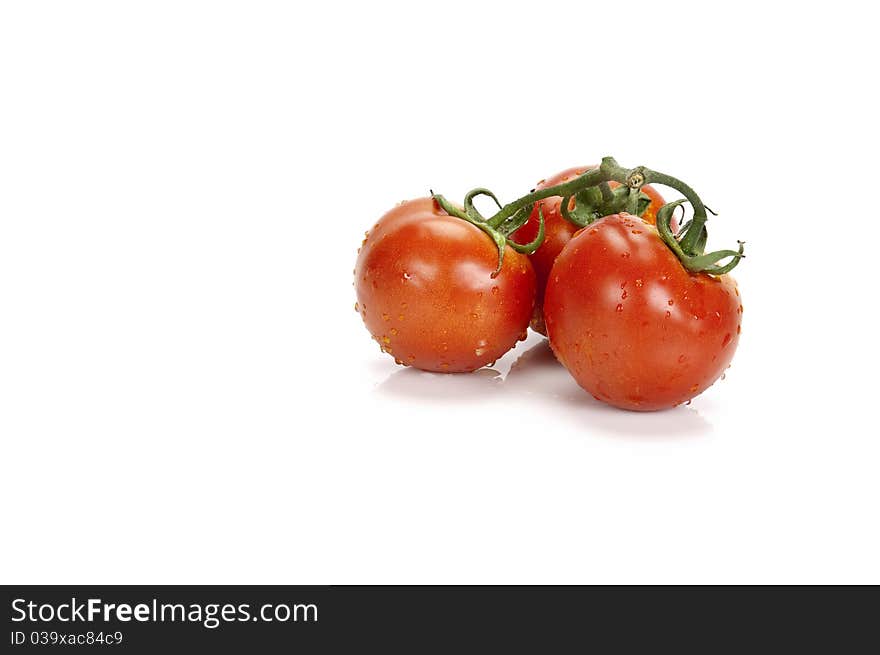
(499, 230)
(689, 244)
(695, 261)
(592, 203)
(589, 197)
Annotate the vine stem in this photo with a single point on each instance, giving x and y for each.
(688, 245)
(590, 178)
(698, 222)
(609, 171)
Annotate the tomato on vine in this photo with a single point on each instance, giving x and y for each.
(641, 316)
(440, 289)
(631, 324)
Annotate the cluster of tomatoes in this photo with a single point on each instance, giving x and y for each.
(592, 258)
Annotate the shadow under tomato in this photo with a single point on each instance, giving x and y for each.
(534, 377)
(414, 384)
(537, 373)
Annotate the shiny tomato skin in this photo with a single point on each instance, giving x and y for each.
(633, 327)
(426, 293)
(558, 231)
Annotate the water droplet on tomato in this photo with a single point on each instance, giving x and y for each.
(670, 302)
(623, 296)
(682, 359)
(385, 317)
(393, 332)
(357, 307)
(668, 314)
(494, 291)
(619, 307)
(479, 351)
(406, 276)
(639, 282)
(726, 341)
(694, 387)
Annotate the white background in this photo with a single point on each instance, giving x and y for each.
(187, 396)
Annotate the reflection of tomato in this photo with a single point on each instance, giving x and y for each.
(426, 293)
(558, 232)
(632, 326)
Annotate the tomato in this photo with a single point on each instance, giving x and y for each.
(631, 324)
(426, 293)
(558, 231)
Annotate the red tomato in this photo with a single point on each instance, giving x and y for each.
(426, 293)
(632, 326)
(558, 231)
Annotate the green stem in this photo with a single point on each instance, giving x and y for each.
(696, 263)
(632, 202)
(590, 178)
(698, 222)
(638, 177)
(594, 198)
(689, 248)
